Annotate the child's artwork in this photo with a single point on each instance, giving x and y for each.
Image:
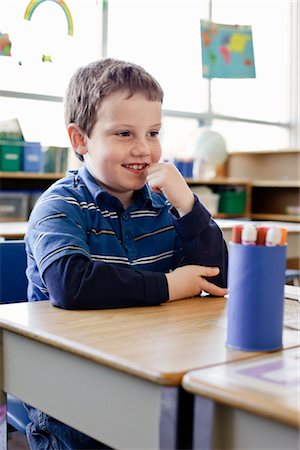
(5, 45)
(227, 51)
(33, 4)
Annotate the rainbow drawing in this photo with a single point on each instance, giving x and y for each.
(33, 4)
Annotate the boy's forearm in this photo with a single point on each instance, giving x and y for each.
(85, 285)
(202, 242)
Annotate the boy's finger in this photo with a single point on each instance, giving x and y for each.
(208, 271)
(213, 289)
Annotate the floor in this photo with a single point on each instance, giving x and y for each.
(17, 441)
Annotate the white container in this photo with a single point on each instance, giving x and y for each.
(208, 198)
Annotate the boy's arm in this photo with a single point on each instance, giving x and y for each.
(83, 284)
(202, 241)
(78, 286)
(200, 237)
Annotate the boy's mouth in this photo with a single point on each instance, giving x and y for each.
(136, 167)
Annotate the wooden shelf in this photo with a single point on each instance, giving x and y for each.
(27, 181)
(32, 175)
(276, 183)
(276, 217)
(218, 181)
(265, 199)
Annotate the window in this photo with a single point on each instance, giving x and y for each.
(164, 37)
(29, 84)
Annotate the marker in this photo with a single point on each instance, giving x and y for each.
(249, 235)
(261, 235)
(284, 233)
(273, 237)
(236, 235)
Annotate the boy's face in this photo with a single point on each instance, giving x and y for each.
(123, 143)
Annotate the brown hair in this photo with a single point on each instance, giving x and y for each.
(92, 83)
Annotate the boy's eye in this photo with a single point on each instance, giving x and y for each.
(124, 133)
(154, 133)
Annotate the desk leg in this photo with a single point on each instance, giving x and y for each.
(203, 425)
(176, 414)
(3, 422)
(168, 417)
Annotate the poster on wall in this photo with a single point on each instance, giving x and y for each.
(227, 51)
(5, 44)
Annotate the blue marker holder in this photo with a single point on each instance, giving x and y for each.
(256, 277)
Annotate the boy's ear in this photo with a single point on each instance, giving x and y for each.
(77, 138)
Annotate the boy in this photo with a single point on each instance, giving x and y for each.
(125, 230)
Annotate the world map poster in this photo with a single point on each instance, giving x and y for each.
(227, 51)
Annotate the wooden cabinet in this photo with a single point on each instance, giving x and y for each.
(275, 200)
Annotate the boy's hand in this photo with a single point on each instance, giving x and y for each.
(187, 281)
(166, 178)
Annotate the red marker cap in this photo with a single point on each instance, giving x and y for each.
(237, 234)
(261, 235)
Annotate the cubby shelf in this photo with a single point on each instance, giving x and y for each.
(265, 200)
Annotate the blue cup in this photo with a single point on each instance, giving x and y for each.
(256, 278)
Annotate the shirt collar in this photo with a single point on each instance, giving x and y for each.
(142, 198)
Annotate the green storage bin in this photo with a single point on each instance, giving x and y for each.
(10, 156)
(232, 202)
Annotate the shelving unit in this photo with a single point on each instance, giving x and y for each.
(222, 184)
(19, 192)
(27, 180)
(270, 200)
(265, 200)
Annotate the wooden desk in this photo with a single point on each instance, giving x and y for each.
(113, 374)
(13, 230)
(252, 404)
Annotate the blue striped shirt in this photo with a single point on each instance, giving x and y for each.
(75, 216)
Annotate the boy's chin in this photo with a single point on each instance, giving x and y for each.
(139, 186)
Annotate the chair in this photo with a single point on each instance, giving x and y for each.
(292, 276)
(13, 281)
(13, 288)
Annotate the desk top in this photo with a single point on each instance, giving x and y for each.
(228, 224)
(13, 230)
(159, 343)
(267, 385)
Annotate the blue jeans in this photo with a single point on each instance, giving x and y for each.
(46, 433)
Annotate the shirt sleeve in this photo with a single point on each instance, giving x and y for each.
(202, 241)
(83, 284)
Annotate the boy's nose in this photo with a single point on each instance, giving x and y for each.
(141, 147)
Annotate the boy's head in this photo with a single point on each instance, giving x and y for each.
(92, 83)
